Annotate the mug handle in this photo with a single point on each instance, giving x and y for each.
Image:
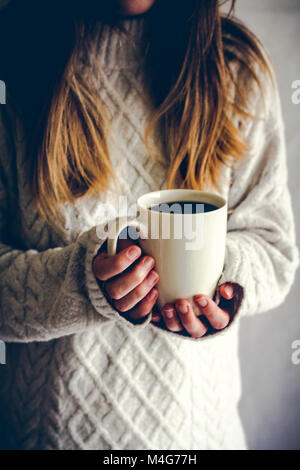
(121, 223)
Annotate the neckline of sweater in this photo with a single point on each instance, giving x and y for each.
(116, 49)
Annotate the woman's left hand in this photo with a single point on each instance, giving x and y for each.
(180, 317)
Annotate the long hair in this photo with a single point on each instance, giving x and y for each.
(191, 54)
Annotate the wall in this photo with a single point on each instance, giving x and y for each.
(270, 405)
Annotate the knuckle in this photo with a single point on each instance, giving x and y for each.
(151, 296)
(211, 315)
(197, 331)
(141, 290)
(149, 299)
(144, 309)
(113, 291)
(173, 325)
(103, 276)
(139, 274)
(99, 274)
(141, 310)
(220, 323)
(121, 306)
(119, 263)
(188, 323)
(96, 267)
(199, 334)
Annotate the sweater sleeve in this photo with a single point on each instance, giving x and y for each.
(46, 294)
(261, 254)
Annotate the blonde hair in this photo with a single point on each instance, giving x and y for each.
(193, 106)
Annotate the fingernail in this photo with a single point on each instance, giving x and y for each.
(168, 312)
(153, 294)
(155, 317)
(202, 301)
(133, 252)
(153, 276)
(149, 262)
(183, 308)
(228, 291)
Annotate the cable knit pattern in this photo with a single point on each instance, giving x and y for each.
(80, 376)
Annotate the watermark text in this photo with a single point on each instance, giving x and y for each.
(295, 357)
(2, 353)
(296, 93)
(2, 92)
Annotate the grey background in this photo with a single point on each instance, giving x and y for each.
(270, 405)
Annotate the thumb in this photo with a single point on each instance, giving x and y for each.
(227, 291)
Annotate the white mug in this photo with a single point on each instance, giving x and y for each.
(188, 248)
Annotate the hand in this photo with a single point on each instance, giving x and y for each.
(180, 317)
(129, 279)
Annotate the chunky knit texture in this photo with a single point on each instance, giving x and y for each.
(79, 375)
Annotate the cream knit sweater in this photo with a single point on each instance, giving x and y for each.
(78, 375)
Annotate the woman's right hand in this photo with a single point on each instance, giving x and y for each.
(129, 279)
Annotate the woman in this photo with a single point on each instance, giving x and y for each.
(88, 364)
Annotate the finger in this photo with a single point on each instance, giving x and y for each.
(156, 318)
(125, 283)
(170, 318)
(227, 291)
(136, 295)
(144, 307)
(217, 317)
(156, 314)
(189, 320)
(105, 267)
(123, 243)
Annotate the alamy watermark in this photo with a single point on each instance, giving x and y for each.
(2, 353)
(188, 228)
(2, 92)
(296, 93)
(295, 357)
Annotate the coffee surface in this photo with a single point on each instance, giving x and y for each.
(184, 207)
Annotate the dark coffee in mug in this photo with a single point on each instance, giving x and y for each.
(184, 207)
